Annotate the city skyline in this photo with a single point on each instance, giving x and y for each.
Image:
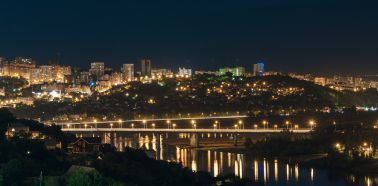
(328, 37)
(166, 93)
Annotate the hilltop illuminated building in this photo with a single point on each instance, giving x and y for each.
(258, 69)
(49, 73)
(145, 65)
(184, 72)
(237, 71)
(97, 69)
(160, 72)
(128, 72)
(20, 67)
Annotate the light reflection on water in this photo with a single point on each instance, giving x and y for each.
(270, 172)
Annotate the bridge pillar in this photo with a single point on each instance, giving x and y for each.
(194, 140)
(109, 138)
(105, 138)
(113, 139)
(236, 139)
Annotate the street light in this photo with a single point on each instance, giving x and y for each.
(217, 123)
(144, 123)
(153, 125)
(168, 122)
(174, 125)
(120, 123)
(132, 125)
(311, 123)
(337, 145)
(265, 123)
(215, 126)
(193, 122)
(240, 122)
(111, 125)
(287, 124)
(236, 126)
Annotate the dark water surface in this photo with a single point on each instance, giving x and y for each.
(270, 172)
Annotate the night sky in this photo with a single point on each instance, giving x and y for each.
(315, 36)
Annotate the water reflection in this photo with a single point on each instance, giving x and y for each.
(256, 170)
(275, 170)
(270, 172)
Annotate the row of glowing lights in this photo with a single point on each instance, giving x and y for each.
(11, 101)
(180, 115)
(365, 145)
(166, 76)
(240, 124)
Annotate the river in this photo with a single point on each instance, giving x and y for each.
(222, 162)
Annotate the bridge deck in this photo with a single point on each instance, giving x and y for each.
(304, 130)
(150, 120)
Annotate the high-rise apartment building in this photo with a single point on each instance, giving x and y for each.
(20, 67)
(128, 72)
(145, 65)
(258, 69)
(185, 72)
(97, 69)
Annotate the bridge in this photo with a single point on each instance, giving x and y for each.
(150, 120)
(171, 127)
(194, 133)
(186, 130)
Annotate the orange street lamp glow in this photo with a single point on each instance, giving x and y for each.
(337, 145)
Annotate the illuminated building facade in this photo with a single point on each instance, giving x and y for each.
(20, 67)
(237, 71)
(97, 69)
(184, 72)
(128, 72)
(258, 69)
(161, 72)
(145, 65)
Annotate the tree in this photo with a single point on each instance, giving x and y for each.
(5, 118)
(13, 172)
(84, 178)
